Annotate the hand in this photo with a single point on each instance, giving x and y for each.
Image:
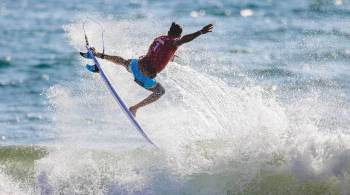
(207, 28)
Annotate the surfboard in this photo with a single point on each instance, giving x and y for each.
(118, 99)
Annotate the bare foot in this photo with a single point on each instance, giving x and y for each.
(133, 110)
(93, 50)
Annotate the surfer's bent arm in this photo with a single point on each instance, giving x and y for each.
(190, 37)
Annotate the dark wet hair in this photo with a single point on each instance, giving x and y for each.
(175, 30)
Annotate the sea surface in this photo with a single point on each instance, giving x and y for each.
(259, 106)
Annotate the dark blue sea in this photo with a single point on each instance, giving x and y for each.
(259, 106)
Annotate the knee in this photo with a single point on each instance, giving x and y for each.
(160, 91)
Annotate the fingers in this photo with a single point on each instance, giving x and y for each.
(208, 28)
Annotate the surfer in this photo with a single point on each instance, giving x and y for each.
(146, 68)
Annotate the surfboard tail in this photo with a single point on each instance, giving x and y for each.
(85, 55)
(92, 68)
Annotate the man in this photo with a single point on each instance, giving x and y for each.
(146, 68)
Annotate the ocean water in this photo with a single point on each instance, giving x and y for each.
(259, 106)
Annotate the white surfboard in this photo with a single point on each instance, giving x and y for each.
(119, 100)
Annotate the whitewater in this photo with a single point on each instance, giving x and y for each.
(213, 138)
(220, 128)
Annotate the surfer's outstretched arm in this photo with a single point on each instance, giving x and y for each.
(189, 37)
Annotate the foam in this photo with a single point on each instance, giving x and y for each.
(214, 137)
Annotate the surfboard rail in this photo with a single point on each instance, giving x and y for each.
(119, 99)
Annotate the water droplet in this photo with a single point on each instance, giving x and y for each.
(338, 2)
(246, 12)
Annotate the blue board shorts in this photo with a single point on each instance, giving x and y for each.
(141, 79)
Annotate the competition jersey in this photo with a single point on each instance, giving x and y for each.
(159, 54)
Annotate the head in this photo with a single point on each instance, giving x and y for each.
(175, 30)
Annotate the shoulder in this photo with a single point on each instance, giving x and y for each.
(176, 41)
(172, 40)
(167, 40)
(160, 39)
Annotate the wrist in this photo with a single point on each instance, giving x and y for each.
(201, 32)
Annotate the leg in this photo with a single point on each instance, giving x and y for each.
(157, 92)
(114, 59)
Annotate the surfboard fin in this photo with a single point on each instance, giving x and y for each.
(92, 68)
(85, 55)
